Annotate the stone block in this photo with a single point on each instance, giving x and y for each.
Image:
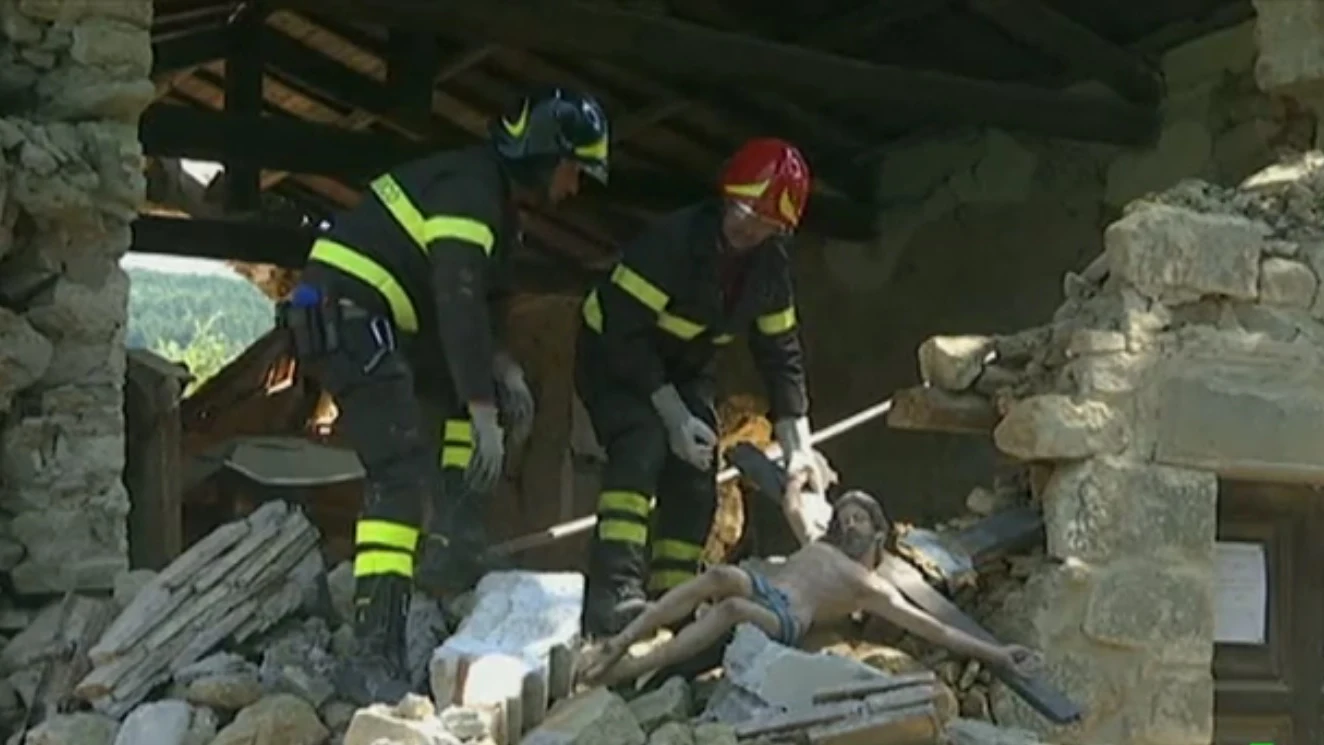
(82, 312)
(669, 703)
(1287, 283)
(1173, 705)
(25, 356)
(953, 362)
(714, 733)
(786, 678)
(122, 49)
(1105, 508)
(598, 717)
(1142, 604)
(1290, 37)
(672, 733)
(72, 729)
(1057, 427)
(1095, 341)
(282, 719)
(412, 722)
(1175, 255)
(501, 655)
(1250, 415)
(159, 723)
(977, 732)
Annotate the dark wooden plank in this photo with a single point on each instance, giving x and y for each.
(153, 472)
(184, 51)
(1087, 53)
(675, 47)
(1037, 692)
(243, 98)
(283, 144)
(412, 62)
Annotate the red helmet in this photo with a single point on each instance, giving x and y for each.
(770, 177)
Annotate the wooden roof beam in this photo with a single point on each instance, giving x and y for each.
(243, 98)
(287, 246)
(1086, 53)
(413, 60)
(291, 145)
(667, 45)
(186, 51)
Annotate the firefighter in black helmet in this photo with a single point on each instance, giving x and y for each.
(393, 305)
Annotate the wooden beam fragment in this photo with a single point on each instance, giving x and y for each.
(928, 409)
(244, 64)
(1087, 53)
(675, 47)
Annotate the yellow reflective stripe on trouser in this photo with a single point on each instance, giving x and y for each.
(369, 563)
(386, 534)
(384, 547)
(357, 265)
(623, 516)
(667, 579)
(669, 548)
(777, 323)
(457, 444)
(423, 231)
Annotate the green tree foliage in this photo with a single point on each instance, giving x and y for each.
(203, 321)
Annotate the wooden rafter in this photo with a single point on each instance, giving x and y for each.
(1085, 52)
(668, 45)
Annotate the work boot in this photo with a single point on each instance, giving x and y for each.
(376, 672)
(613, 588)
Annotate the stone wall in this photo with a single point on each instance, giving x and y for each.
(980, 228)
(73, 80)
(1189, 350)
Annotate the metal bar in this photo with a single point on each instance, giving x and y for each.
(575, 527)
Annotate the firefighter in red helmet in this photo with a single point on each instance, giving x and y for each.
(644, 369)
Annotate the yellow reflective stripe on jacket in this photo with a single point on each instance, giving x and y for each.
(357, 265)
(639, 288)
(423, 231)
(652, 297)
(593, 311)
(677, 326)
(778, 322)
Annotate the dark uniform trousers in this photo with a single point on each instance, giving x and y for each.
(373, 272)
(649, 493)
(414, 442)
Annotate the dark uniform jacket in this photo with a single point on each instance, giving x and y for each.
(429, 246)
(661, 315)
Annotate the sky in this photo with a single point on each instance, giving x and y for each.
(204, 171)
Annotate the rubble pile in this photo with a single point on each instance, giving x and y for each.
(1188, 350)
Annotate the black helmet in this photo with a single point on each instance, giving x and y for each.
(555, 123)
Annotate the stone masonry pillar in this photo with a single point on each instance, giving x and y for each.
(74, 77)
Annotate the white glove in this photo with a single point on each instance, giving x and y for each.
(489, 448)
(692, 440)
(514, 397)
(793, 437)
